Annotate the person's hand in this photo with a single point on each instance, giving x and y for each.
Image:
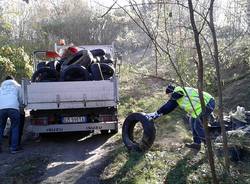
(152, 116)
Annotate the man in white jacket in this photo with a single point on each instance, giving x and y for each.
(10, 100)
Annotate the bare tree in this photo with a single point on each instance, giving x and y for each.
(200, 65)
(248, 15)
(217, 65)
(200, 89)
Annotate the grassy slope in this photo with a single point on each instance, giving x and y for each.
(167, 161)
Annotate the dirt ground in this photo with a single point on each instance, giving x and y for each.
(66, 158)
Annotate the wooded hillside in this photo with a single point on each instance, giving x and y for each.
(201, 44)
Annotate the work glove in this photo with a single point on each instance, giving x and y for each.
(152, 116)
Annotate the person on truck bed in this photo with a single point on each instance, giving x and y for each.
(182, 96)
(10, 98)
(68, 51)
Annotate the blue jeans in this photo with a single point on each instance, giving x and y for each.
(14, 116)
(196, 123)
(21, 125)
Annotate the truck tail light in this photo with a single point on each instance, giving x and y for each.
(39, 121)
(51, 120)
(107, 117)
(44, 120)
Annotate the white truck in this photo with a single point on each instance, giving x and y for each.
(70, 106)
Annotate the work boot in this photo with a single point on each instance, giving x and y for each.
(14, 151)
(193, 146)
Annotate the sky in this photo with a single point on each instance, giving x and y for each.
(222, 4)
(122, 2)
(108, 2)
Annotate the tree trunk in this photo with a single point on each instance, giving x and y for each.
(248, 16)
(200, 89)
(156, 62)
(220, 105)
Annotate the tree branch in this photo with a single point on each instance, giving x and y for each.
(109, 9)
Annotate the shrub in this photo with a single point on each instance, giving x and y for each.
(20, 60)
(6, 67)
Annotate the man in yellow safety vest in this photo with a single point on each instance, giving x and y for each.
(187, 98)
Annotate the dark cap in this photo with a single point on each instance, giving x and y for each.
(170, 88)
(9, 77)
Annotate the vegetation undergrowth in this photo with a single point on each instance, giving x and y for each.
(168, 161)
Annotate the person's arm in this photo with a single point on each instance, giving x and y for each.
(171, 104)
(167, 107)
(176, 95)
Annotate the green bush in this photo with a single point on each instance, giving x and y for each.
(19, 60)
(6, 67)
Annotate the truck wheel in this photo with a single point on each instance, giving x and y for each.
(45, 74)
(96, 71)
(98, 52)
(107, 71)
(128, 132)
(75, 73)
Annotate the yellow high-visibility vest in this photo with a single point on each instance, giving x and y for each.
(193, 109)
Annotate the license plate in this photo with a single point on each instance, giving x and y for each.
(81, 119)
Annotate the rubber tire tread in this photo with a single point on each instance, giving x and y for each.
(41, 65)
(98, 52)
(108, 61)
(47, 75)
(96, 71)
(148, 132)
(75, 73)
(107, 71)
(82, 57)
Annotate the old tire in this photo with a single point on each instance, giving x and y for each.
(75, 73)
(45, 74)
(96, 71)
(41, 65)
(148, 132)
(98, 52)
(108, 61)
(107, 71)
(83, 57)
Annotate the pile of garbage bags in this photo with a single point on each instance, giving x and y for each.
(238, 135)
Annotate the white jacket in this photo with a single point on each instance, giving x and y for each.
(10, 94)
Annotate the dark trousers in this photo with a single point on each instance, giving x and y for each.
(21, 125)
(14, 116)
(196, 123)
